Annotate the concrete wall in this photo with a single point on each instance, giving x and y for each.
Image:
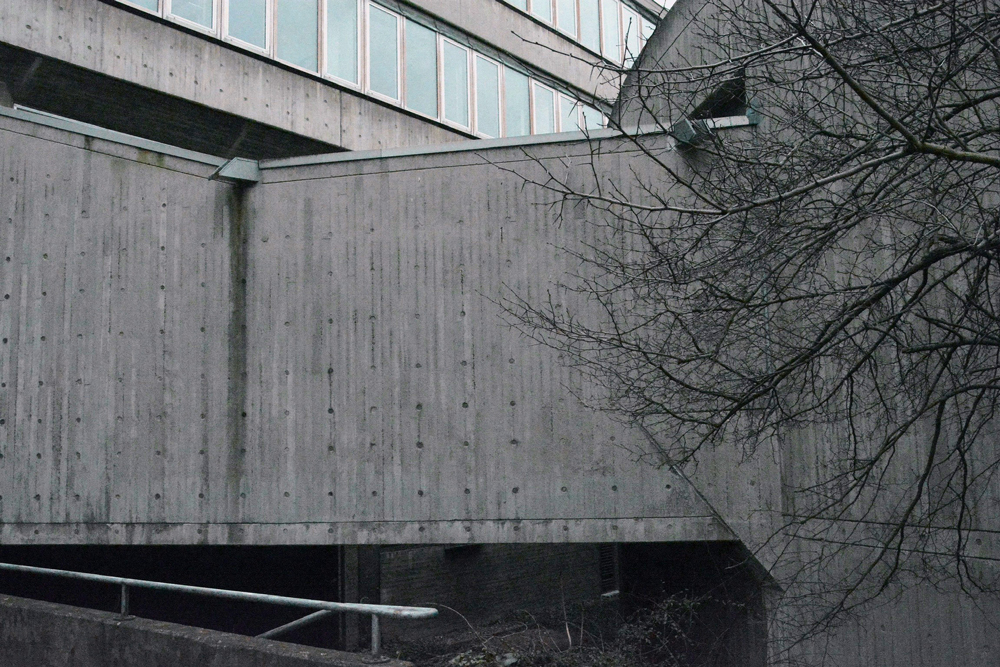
(317, 359)
(44, 634)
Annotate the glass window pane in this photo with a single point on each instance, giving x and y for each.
(248, 21)
(384, 52)
(590, 25)
(566, 16)
(612, 47)
(647, 29)
(342, 39)
(570, 112)
(630, 25)
(516, 103)
(196, 11)
(298, 26)
(520, 4)
(456, 84)
(545, 110)
(542, 9)
(151, 5)
(487, 97)
(592, 118)
(421, 69)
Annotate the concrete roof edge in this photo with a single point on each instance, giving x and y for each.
(486, 144)
(88, 130)
(460, 147)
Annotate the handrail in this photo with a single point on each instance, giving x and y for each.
(376, 610)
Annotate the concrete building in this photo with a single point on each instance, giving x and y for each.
(253, 253)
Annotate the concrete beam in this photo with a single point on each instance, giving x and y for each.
(149, 54)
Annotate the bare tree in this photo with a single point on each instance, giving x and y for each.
(830, 278)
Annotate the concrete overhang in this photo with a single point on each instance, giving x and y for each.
(104, 64)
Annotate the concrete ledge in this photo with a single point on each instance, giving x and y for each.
(44, 634)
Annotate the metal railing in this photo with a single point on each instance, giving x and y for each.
(324, 607)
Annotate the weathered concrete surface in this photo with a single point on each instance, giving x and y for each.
(140, 50)
(316, 359)
(45, 634)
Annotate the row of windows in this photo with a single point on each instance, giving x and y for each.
(371, 48)
(608, 27)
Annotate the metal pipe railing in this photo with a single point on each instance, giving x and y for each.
(325, 607)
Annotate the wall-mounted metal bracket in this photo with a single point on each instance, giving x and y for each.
(238, 170)
(689, 132)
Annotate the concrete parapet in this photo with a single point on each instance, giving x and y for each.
(44, 634)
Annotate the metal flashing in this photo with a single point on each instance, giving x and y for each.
(96, 132)
(238, 169)
(460, 147)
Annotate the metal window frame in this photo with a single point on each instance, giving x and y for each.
(155, 12)
(359, 46)
(214, 30)
(443, 112)
(578, 105)
(503, 100)
(398, 100)
(557, 21)
(475, 96)
(320, 37)
(623, 10)
(236, 41)
(552, 12)
(404, 83)
(533, 85)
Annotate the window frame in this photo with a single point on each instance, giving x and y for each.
(362, 54)
(577, 104)
(475, 96)
(552, 12)
(532, 106)
(503, 100)
(636, 26)
(400, 64)
(320, 39)
(159, 11)
(236, 41)
(166, 7)
(469, 81)
(403, 82)
(557, 21)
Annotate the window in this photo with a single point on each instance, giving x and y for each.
(590, 25)
(566, 16)
(487, 97)
(421, 69)
(516, 105)
(150, 5)
(545, 110)
(248, 22)
(647, 29)
(199, 12)
(612, 38)
(403, 61)
(542, 9)
(383, 52)
(569, 110)
(298, 32)
(520, 4)
(456, 83)
(342, 39)
(630, 27)
(592, 118)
